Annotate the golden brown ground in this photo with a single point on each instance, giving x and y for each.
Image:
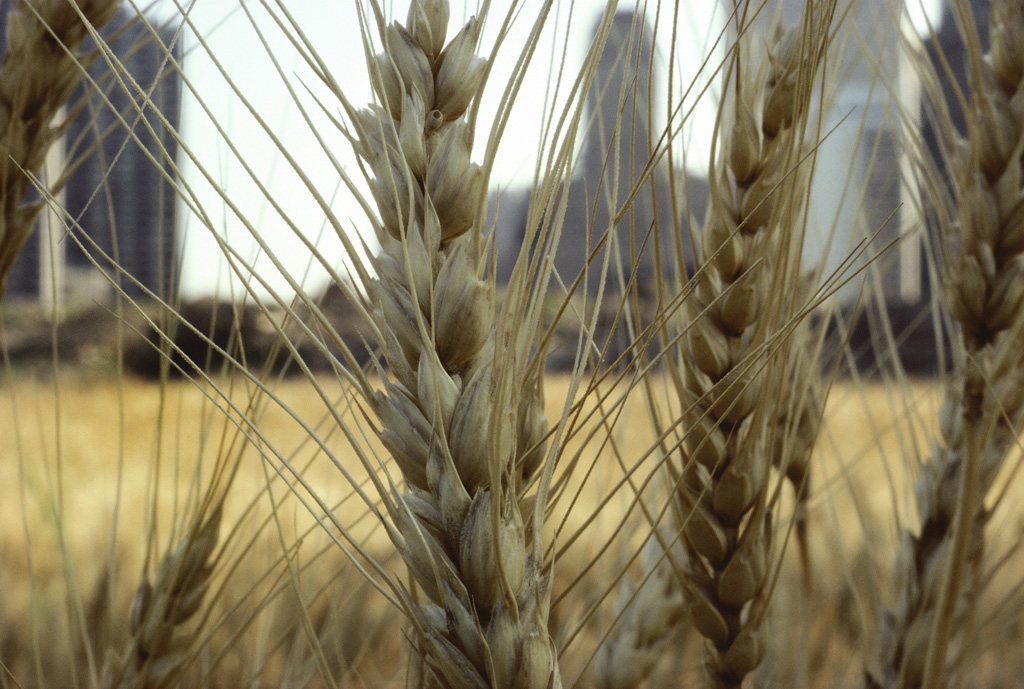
(78, 452)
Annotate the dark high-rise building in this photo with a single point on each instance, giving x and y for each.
(618, 146)
(117, 200)
(615, 158)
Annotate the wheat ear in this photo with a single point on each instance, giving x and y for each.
(984, 406)
(647, 623)
(464, 436)
(156, 654)
(748, 241)
(755, 198)
(40, 70)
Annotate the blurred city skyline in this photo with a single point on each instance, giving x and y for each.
(236, 44)
(241, 40)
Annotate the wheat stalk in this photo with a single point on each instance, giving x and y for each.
(465, 437)
(156, 654)
(940, 573)
(40, 70)
(730, 378)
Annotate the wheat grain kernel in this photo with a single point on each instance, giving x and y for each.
(428, 22)
(461, 71)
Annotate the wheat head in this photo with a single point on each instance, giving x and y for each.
(158, 650)
(981, 417)
(734, 355)
(464, 437)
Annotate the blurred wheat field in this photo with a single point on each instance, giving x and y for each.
(113, 434)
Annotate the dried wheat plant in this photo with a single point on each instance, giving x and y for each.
(941, 566)
(740, 322)
(42, 65)
(157, 653)
(465, 434)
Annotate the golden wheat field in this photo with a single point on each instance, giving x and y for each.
(77, 488)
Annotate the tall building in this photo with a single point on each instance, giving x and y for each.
(117, 201)
(615, 155)
(947, 48)
(898, 139)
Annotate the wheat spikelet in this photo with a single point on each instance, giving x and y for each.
(984, 404)
(39, 72)
(731, 329)
(647, 624)
(157, 652)
(750, 241)
(463, 434)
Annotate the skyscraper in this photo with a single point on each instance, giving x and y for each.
(615, 159)
(117, 200)
(614, 162)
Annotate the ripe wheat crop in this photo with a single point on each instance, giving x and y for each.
(615, 437)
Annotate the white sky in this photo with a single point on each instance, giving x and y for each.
(332, 28)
